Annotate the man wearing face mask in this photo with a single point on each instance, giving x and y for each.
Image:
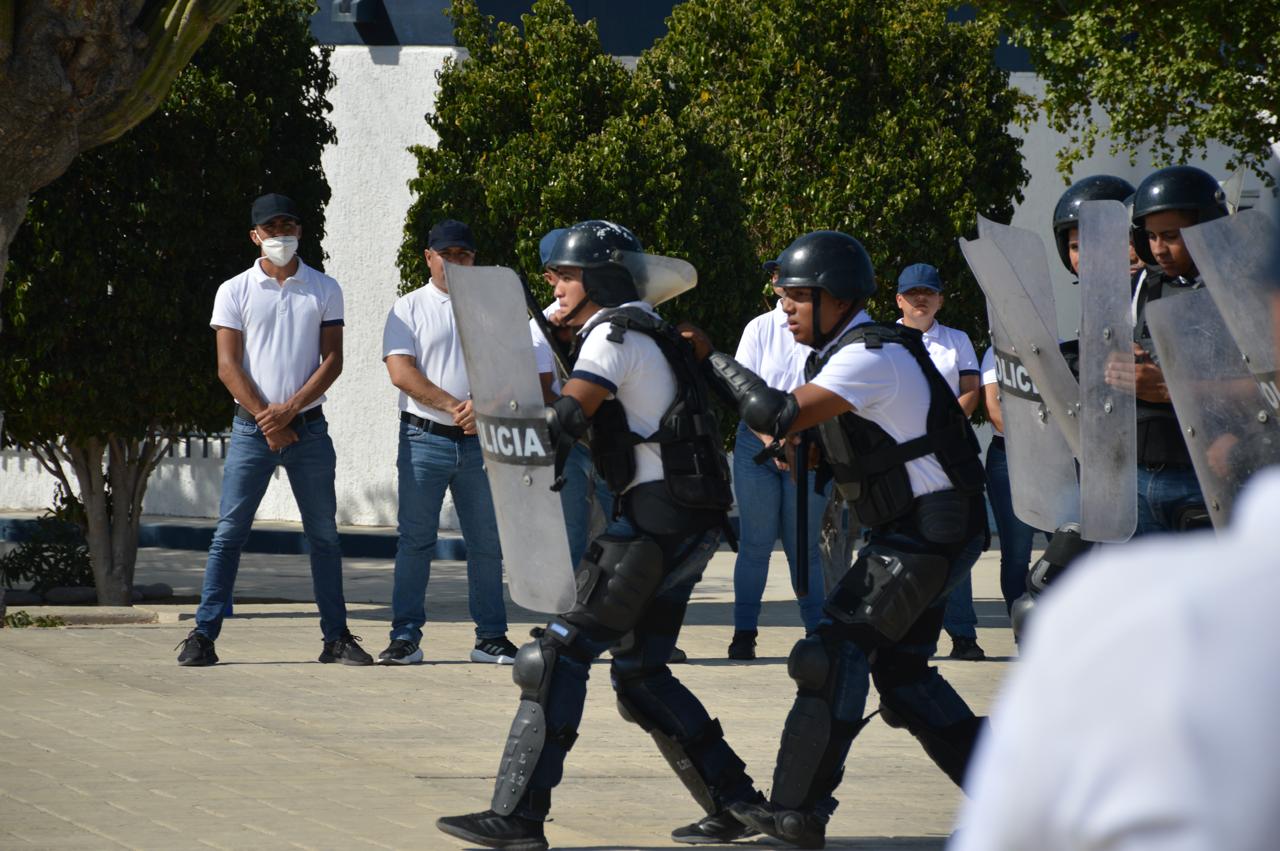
(279, 340)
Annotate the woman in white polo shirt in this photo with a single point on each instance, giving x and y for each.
(920, 298)
(766, 493)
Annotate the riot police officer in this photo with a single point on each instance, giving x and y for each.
(905, 459)
(636, 394)
(1169, 497)
(1066, 213)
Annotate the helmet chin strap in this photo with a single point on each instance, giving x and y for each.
(820, 339)
(564, 320)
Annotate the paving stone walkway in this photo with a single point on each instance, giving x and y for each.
(106, 743)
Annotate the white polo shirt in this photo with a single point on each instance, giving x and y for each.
(543, 359)
(634, 372)
(770, 350)
(885, 386)
(421, 325)
(1142, 714)
(952, 353)
(281, 326)
(989, 376)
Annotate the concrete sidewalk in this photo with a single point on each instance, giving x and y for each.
(106, 742)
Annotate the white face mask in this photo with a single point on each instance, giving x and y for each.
(280, 249)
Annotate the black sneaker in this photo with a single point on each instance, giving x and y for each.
(678, 656)
(346, 651)
(494, 831)
(743, 645)
(715, 829)
(197, 651)
(966, 649)
(400, 651)
(497, 650)
(798, 829)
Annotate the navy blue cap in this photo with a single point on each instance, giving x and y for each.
(919, 276)
(548, 243)
(770, 266)
(271, 205)
(450, 233)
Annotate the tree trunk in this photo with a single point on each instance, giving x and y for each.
(12, 213)
(114, 589)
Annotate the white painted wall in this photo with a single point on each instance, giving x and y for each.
(381, 96)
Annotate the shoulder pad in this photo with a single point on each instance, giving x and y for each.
(623, 318)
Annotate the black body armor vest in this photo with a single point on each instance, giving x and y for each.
(868, 465)
(1160, 440)
(695, 471)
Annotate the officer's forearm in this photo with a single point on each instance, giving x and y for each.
(762, 408)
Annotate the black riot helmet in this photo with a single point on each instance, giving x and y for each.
(599, 248)
(1066, 215)
(831, 261)
(1178, 187)
(828, 260)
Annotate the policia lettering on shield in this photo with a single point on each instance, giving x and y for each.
(636, 394)
(905, 459)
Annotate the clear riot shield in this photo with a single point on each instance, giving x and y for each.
(1042, 474)
(1239, 258)
(1216, 399)
(1108, 416)
(489, 306)
(1022, 296)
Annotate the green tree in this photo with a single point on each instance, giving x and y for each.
(880, 118)
(107, 353)
(540, 128)
(74, 75)
(1170, 77)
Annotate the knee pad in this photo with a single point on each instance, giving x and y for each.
(813, 739)
(1188, 518)
(809, 663)
(886, 591)
(534, 663)
(617, 579)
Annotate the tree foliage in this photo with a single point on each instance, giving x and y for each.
(107, 351)
(539, 129)
(880, 118)
(1171, 77)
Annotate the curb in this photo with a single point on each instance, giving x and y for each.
(90, 615)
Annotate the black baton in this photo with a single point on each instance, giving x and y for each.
(801, 469)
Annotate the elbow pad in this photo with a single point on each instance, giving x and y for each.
(566, 420)
(762, 408)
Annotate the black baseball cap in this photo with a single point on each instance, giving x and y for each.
(450, 233)
(271, 205)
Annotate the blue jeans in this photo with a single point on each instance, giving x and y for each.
(580, 483)
(1015, 535)
(921, 688)
(641, 674)
(427, 465)
(246, 471)
(767, 510)
(1162, 493)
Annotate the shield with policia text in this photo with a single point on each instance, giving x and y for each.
(1042, 474)
(1108, 410)
(489, 306)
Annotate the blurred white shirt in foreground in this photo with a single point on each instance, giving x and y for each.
(1145, 712)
